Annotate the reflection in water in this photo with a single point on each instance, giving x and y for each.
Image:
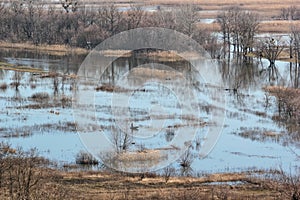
(238, 74)
(294, 70)
(243, 77)
(66, 64)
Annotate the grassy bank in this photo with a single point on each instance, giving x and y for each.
(93, 185)
(50, 49)
(120, 186)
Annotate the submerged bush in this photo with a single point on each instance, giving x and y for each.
(85, 158)
(40, 96)
(288, 101)
(3, 86)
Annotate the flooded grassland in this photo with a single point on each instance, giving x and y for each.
(36, 101)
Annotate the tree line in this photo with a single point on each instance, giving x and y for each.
(74, 25)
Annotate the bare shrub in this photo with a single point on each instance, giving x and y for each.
(3, 86)
(85, 158)
(40, 96)
(108, 88)
(66, 101)
(186, 19)
(32, 86)
(16, 79)
(5, 152)
(288, 103)
(24, 173)
(290, 13)
(168, 172)
(185, 163)
(121, 140)
(287, 184)
(271, 49)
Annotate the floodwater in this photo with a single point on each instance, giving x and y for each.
(249, 139)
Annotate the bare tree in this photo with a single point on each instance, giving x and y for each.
(134, 16)
(4, 22)
(186, 19)
(270, 49)
(32, 25)
(238, 28)
(166, 19)
(17, 79)
(224, 21)
(284, 13)
(110, 18)
(292, 10)
(248, 26)
(168, 172)
(290, 13)
(121, 140)
(295, 38)
(185, 162)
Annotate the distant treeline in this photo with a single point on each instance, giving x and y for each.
(71, 24)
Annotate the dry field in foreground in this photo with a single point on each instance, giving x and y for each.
(93, 185)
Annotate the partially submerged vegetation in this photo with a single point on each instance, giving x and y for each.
(288, 105)
(85, 158)
(288, 101)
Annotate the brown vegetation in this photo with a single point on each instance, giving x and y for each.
(3, 86)
(106, 185)
(53, 49)
(85, 158)
(39, 96)
(277, 26)
(25, 175)
(288, 102)
(288, 106)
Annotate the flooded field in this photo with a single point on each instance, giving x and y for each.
(36, 111)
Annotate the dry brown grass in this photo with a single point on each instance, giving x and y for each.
(51, 49)
(271, 26)
(271, 3)
(161, 74)
(266, 9)
(116, 53)
(277, 26)
(101, 185)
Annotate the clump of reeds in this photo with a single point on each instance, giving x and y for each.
(85, 158)
(40, 96)
(3, 86)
